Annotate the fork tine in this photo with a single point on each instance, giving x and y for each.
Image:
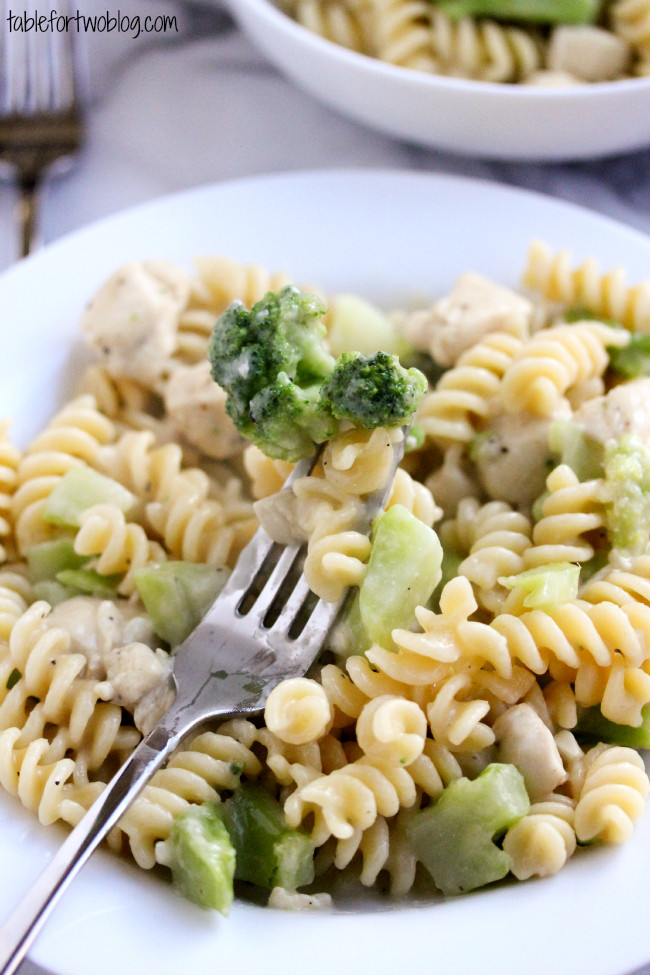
(292, 606)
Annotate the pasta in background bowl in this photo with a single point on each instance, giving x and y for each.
(483, 118)
(147, 923)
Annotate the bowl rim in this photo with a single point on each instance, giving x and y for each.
(271, 14)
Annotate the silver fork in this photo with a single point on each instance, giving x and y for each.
(264, 626)
(42, 90)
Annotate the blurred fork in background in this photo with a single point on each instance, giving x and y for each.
(42, 94)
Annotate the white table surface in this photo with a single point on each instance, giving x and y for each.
(183, 108)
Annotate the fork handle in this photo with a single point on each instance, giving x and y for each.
(28, 193)
(21, 928)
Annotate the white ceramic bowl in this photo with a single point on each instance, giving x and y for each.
(476, 118)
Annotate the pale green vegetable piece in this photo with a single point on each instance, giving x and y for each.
(455, 838)
(546, 586)
(356, 325)
(403, 570)
(177, 595)
(574, 447)
(80, 489)
(46, 559)
(627, 493)
(202, 858)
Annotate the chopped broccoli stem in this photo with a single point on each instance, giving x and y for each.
(80, 489)
(202, 858)
(531, 11)
(356, 325)
(593, 724)
(449, 570)
(269, 853)
(633, 360)
(89, 581)
(349, 636)
(546, 586)
(627, 492)
(177, 595)
(574, 447)
(46, 559)
(455, 838)
(403, 571)
(53, 592)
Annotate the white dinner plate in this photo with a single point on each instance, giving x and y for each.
(389, 236)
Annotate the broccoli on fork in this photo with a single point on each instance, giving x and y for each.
(286, 393)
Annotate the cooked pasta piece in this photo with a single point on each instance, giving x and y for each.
(554, 361)
(608, 295)
(298, 711)
(572, 514)
(540, 844)
(75, 436)
(611, 798)
(466, 393)
(496, 540)
(630, 20)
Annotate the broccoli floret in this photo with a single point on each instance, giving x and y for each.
(286, 393)
(627, 491)
(372, 390)
(282, 333)
(286, 420)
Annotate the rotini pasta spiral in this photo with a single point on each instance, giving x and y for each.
(401, 33)
(448, 637)
(392, 730)
(496, 539)
(570, 511)
(349, 798)
(484, 49)
(121, 547)
(620, 585)
(298, 711)
(74, 436)
(553, 361)
(87, 726)
(541, 842)
(465, 394)
(606, 295)
(26, 773)
(611, 799)
(337, 22)
(630, 19)
(9, 460)
(213, 760)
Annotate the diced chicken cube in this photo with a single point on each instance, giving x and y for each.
(134, 670)
(513, 459)
(95, 625)
(524, 740)
(474, 307)
(132, 320)
(624, 409)
(196, 405)
(587, 52)
(552, 79)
